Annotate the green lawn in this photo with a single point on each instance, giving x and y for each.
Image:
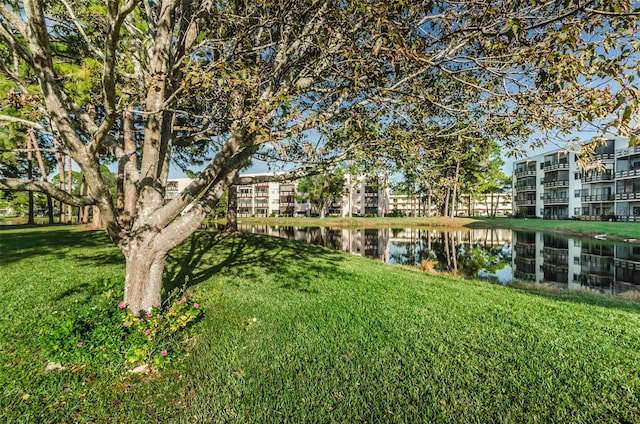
(296, 333)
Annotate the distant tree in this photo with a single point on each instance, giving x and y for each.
(321, 190)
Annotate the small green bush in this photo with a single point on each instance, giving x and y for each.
(104, 331)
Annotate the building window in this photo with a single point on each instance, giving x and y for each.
(576, 175)
(576, 260)
(576, 193)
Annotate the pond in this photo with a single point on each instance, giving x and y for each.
(497, 255)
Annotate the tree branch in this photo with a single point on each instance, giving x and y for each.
(78, 25)
(18, 184)
(25, 122)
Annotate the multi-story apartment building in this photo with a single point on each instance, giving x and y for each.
(279, 198)
(555, 185)
(627, 177)
(269, 198)
(490, 204)
(486, 204)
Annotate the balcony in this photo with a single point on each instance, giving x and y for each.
(556, 183)
(628, 218)
(598, 198)
(523, 275)
(525, 172)
(596, 178)
(627, 152)
(628, 174)
(627, 263)
(627, 196)
(597, 280)
(601, 156)
(552, 166)
(525, 202)
(526, 188)
(564, 200)
(591, 217)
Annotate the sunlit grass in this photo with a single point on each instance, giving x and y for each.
(297, 333)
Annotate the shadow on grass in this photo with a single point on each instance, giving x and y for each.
(22, 242)
(249, 256)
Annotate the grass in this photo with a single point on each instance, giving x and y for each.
(336, 338)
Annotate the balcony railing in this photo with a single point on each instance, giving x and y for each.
(591, 217)
(628, 218)
(597, 177)
(627, 263)
(627, 174)
(526, 188)
(525, 172)
(600, 156)
(627, 196)
(556, 200)
(552, 166)
(558, 183)
(525, 202)
(628, 152)
(598, 198)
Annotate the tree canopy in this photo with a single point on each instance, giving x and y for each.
(206, 86)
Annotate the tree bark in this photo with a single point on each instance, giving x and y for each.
(69, 190)
(143, 276)
(447, 199)
(129, 188)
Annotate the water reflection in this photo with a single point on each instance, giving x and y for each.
(573, 263)
(497, 255)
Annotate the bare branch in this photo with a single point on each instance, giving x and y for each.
(78, 25)
(17, 184)
(26, 122)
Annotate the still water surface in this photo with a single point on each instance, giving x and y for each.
(496, 255)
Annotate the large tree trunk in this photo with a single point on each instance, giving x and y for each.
(143, 276)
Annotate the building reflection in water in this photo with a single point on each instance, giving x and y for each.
(573, 263)
(495, 254)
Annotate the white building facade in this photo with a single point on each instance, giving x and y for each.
(360, 198)
(554, 186)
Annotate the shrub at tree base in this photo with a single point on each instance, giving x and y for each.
(105, 331)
